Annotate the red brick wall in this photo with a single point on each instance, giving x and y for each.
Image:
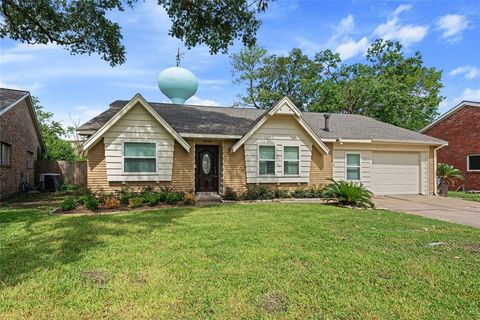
(462, 131)
(17, 129)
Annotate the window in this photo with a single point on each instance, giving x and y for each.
(353, 166)
(291, 160)
(139, 157)
(30, 160)
(5, 154)
(473, 162)
(266, 162)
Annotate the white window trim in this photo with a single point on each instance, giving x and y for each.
(33, 159)
(468, 163)
(9, 154)
(347, 166)
(274, 159)
(283, 160)
(137, 157)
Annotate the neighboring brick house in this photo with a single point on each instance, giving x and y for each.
(461, 128)
(20, 140)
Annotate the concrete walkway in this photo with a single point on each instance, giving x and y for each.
(447, 209)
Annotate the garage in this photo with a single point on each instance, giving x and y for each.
(395, 173)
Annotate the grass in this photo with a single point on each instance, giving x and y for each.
(464, 195)
(289, 261)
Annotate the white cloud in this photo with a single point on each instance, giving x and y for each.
(202, 102)
(470, 95)
(401, 8)
(346, 24)
(89, 111)
(451, 26)
(351, 48)
(28, 87)
(469, 72)
(12, 57)
(393, 29)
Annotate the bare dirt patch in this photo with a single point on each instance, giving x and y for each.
(273, 302)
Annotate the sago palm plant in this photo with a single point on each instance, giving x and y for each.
(348, 193)
(447, 175)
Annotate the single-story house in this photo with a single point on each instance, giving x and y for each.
(460, 126)
(207, 149)
(20, 140)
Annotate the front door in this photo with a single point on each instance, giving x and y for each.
(206, 168)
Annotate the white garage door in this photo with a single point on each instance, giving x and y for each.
(395, 173)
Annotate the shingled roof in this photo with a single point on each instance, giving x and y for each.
(191, 119)
(10, 96)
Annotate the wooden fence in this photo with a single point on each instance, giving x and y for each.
(74, 172)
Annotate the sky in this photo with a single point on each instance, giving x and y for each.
(78, 87)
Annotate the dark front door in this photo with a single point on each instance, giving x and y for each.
(206, 169)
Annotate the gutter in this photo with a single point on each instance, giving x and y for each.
(435, 187)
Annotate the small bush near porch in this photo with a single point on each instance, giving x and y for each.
(299, 261)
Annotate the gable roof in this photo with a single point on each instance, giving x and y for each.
(284, 106)
(9, 98)
(120, 113)
(447, 114)
(190, 120)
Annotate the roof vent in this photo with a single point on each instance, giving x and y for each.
(327, 122)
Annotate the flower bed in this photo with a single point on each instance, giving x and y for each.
(123, 200)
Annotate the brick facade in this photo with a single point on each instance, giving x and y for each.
(183, 175)
(462, 131)
(17, 128)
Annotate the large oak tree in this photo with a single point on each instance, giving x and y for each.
(389, 85)
(82, 26)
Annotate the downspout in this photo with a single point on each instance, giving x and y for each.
(435, 191)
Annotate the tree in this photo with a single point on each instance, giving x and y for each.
(52, 131)
(447, 174)
(82, 26)
(388, 86)
(246, 64)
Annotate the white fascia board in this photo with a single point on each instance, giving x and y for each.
(13, 104)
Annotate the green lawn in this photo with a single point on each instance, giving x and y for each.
(464, 195)
(300, 261)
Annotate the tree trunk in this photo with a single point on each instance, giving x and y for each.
(443, 189)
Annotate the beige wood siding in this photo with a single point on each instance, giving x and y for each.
(321, 167)
(138, 125)
(279, 131)
(183, 174)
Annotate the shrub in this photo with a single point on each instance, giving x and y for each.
(348, 193)
(282, 193)
(91, 203)
(301, 192)
(111, 202)
(69, 204)
(190, 199)
(230, 194)
(69, 188)
(151, 198)
(174, 197)
(124, 195)
(258, 193)
(162, 196)
(135, 202)
(83, 198)
(316, 191)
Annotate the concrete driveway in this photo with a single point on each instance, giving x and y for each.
(447, 209)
